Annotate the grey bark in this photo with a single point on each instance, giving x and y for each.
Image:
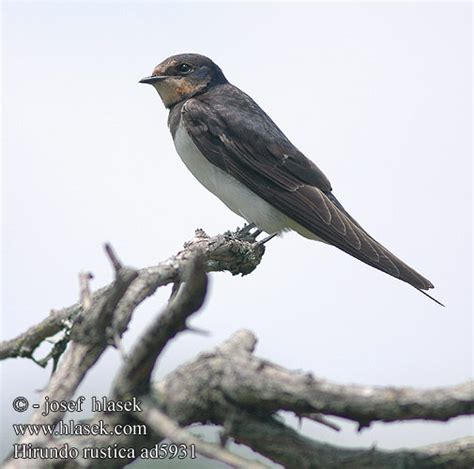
(229, 387)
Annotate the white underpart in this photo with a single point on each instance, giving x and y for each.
(233, 193)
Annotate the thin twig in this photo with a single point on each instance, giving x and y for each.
(113, 257)
(85, 292)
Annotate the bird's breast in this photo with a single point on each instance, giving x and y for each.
(238, 197)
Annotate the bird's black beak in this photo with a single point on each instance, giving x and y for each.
(152, 80)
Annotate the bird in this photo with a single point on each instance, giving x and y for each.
(238, 153)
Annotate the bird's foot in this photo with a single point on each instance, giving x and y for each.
(265, 240)
(246, 234)
(245, 230)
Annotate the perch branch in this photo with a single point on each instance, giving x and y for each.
(225, 252)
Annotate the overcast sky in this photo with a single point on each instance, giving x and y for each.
(378, 95)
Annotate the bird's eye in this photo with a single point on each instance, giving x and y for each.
(184, 68)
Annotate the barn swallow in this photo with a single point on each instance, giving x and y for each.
(238, 153)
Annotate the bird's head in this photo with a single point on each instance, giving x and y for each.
(182, 76)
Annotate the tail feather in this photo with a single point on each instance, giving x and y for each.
(387, 260)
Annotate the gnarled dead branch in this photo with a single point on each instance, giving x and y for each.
(230, 386)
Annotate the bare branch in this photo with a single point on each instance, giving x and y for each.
(257, 383)
(322, 420)
(136, 371)
(283, 445)
(232, 382)
(85, 295)
(229, 386)
(26, 343)
(88, 342)
(163, 425)
(113, 257)
(220, 253)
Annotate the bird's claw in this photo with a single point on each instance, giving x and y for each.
(265, 240)
(245, 234)
(245, 230)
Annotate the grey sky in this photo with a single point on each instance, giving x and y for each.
(378, 95)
